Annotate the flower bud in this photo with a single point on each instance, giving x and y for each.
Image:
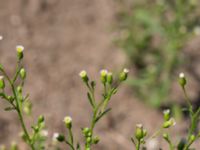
(110, 77)
(68, 122)
(19, 89)
(192, 138)
(140, 133)
(20, 50)
(123, 75)
(182, 79)
(86, 131)
(23, 73)
(2, 83)
(40, 119)
(96, 140)
(104, 74)
(166, 114)
(83, 75)
(169, 123)
(88, 139)
(60, 138)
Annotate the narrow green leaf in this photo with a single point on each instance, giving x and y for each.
(102, 114)
(90, 99)
(9, 108)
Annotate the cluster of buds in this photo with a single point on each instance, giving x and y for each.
(168, 121)
(140, 132)
(105, 76)
(88, 135)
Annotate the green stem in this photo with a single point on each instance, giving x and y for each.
(138, 145)
(71, 139)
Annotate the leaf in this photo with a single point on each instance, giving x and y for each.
(90, 100)
(9, 108)
(102, 114)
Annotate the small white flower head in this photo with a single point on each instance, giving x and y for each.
(44, 133)
(103, 74)
(124, 74)
(126, 70)
(68, 122)
(1, 77)
(182, 79)
(166, 114)
(19, 48)
(181, 75)
(1, 37)
(139, 125)
(84, 76)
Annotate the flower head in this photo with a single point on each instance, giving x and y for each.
(103, 74)
(68, 122)
(84, 76)
(20, 49)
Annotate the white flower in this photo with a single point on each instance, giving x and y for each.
(19, 48)
(67, 120)
(126, 70)
(83, 74)
(167, 111)
(1, 77)
(104, 72)
(1, 37)
(181, 75)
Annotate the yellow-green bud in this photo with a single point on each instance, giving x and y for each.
(192, 138)
(104, 74)
(123, 75)
(182, 79)
(86, 131)
(19, 89)
(169, 123)
(20, 50)
(2, 83)
(68, 122)
(40, 119)
(23, 73)
(96, 140)
(139, 133)
(166, 114)
(84, 76)
(88, 139)
(110, 77)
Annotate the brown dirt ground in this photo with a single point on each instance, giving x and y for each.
(62, 37)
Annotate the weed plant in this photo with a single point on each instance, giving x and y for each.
(152, 35)
(36, 137)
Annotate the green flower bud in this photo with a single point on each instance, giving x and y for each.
(40, 119)
(88, 140)
(182, 79)
(166, 114)
(60, 138)
(19, 89)
(83, 75)
(20, 50)
(110, 77)
(123, 75)
(14, 146)
(96, 140)
(23, 73)
(2, 83)
(192, 138)
(104, 74)
(169, 123)
(68, 122)
(139, 133)
(86, 131)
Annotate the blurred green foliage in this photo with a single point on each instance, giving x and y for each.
(153, 34)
